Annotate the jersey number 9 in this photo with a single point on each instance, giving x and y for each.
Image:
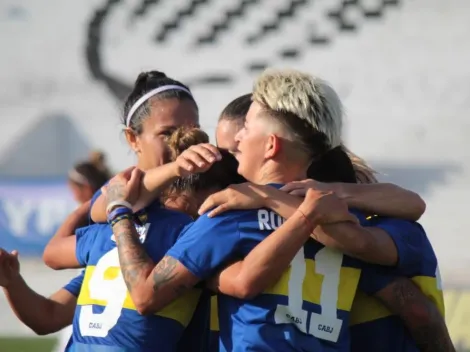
(112, 292)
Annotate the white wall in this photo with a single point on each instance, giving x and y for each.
(404, 79)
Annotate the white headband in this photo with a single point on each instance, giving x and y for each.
(150, 94)
(77, 177)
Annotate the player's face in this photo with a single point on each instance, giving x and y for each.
(225, 134)
(165, 116)
(252, 140)
(81, 193)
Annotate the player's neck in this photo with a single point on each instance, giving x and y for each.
(144, 166)
(279, 174)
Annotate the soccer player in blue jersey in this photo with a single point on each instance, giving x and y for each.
(156, 106)
(410, 252)
(279, 154)
(415, 311)
(412, 256)
(395, 201)
(374, 328)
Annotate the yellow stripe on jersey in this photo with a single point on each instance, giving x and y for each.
(366, 308)
(312, 285)
(429, 286)
(214, 314)
(181, 309)
(458, 316)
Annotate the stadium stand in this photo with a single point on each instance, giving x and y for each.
(401, 67)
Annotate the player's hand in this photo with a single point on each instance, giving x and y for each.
(322, 207)
(197, 159)
(242, 196)
(300, 188)
(125, 186)
(9, 267)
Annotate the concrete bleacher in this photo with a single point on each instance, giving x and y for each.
(401, 68)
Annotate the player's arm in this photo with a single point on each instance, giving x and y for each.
(151, 285)
(154, 181)
(60, 251)
(269, 259)
(370, 244)
(196, 256)
(76, 248)
(197, 158)
(385, 199)
(42, 315)
(421, 316)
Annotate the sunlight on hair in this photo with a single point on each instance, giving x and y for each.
(364, 173)
(308, 97)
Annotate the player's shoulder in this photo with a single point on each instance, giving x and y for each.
(360, 215)
(226, 222)
(409, 230)
(228, 216)
(161, 214)
(92, 230)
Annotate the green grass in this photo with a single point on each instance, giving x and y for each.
(32, 344)
(27, 344)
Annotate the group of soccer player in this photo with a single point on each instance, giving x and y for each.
(276, 239)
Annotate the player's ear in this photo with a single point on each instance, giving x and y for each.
(272, 146)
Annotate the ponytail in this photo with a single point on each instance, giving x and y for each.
(333, 166)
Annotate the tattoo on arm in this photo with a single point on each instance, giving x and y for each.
(164, 272)
(136, 265)
(420, 315)
(115, 191)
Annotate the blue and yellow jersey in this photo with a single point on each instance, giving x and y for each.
(307, 310)
(106, 319)
(374, 328)
(196, 336)
(75, 285)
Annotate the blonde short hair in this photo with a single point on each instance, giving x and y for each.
(303, 95)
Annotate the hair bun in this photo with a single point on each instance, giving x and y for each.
(145, 77)
(184, 137)
(333, 166)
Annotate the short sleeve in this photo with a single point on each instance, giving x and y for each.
(359, 215)
(75, 284)
(376, 277)
(85, 237)
(409, 238)
(205, 245)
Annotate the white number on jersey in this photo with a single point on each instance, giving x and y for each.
(113, 292)
(325, 326)
(438, 278)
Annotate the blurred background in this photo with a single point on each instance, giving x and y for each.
(400, 66)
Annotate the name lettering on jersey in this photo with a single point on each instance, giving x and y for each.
(269, 220)
(325, 328)
(95, 326)
(294, 320)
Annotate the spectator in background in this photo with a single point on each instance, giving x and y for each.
(98, 158)
(85, 179)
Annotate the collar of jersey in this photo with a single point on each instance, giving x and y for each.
(276, 185)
